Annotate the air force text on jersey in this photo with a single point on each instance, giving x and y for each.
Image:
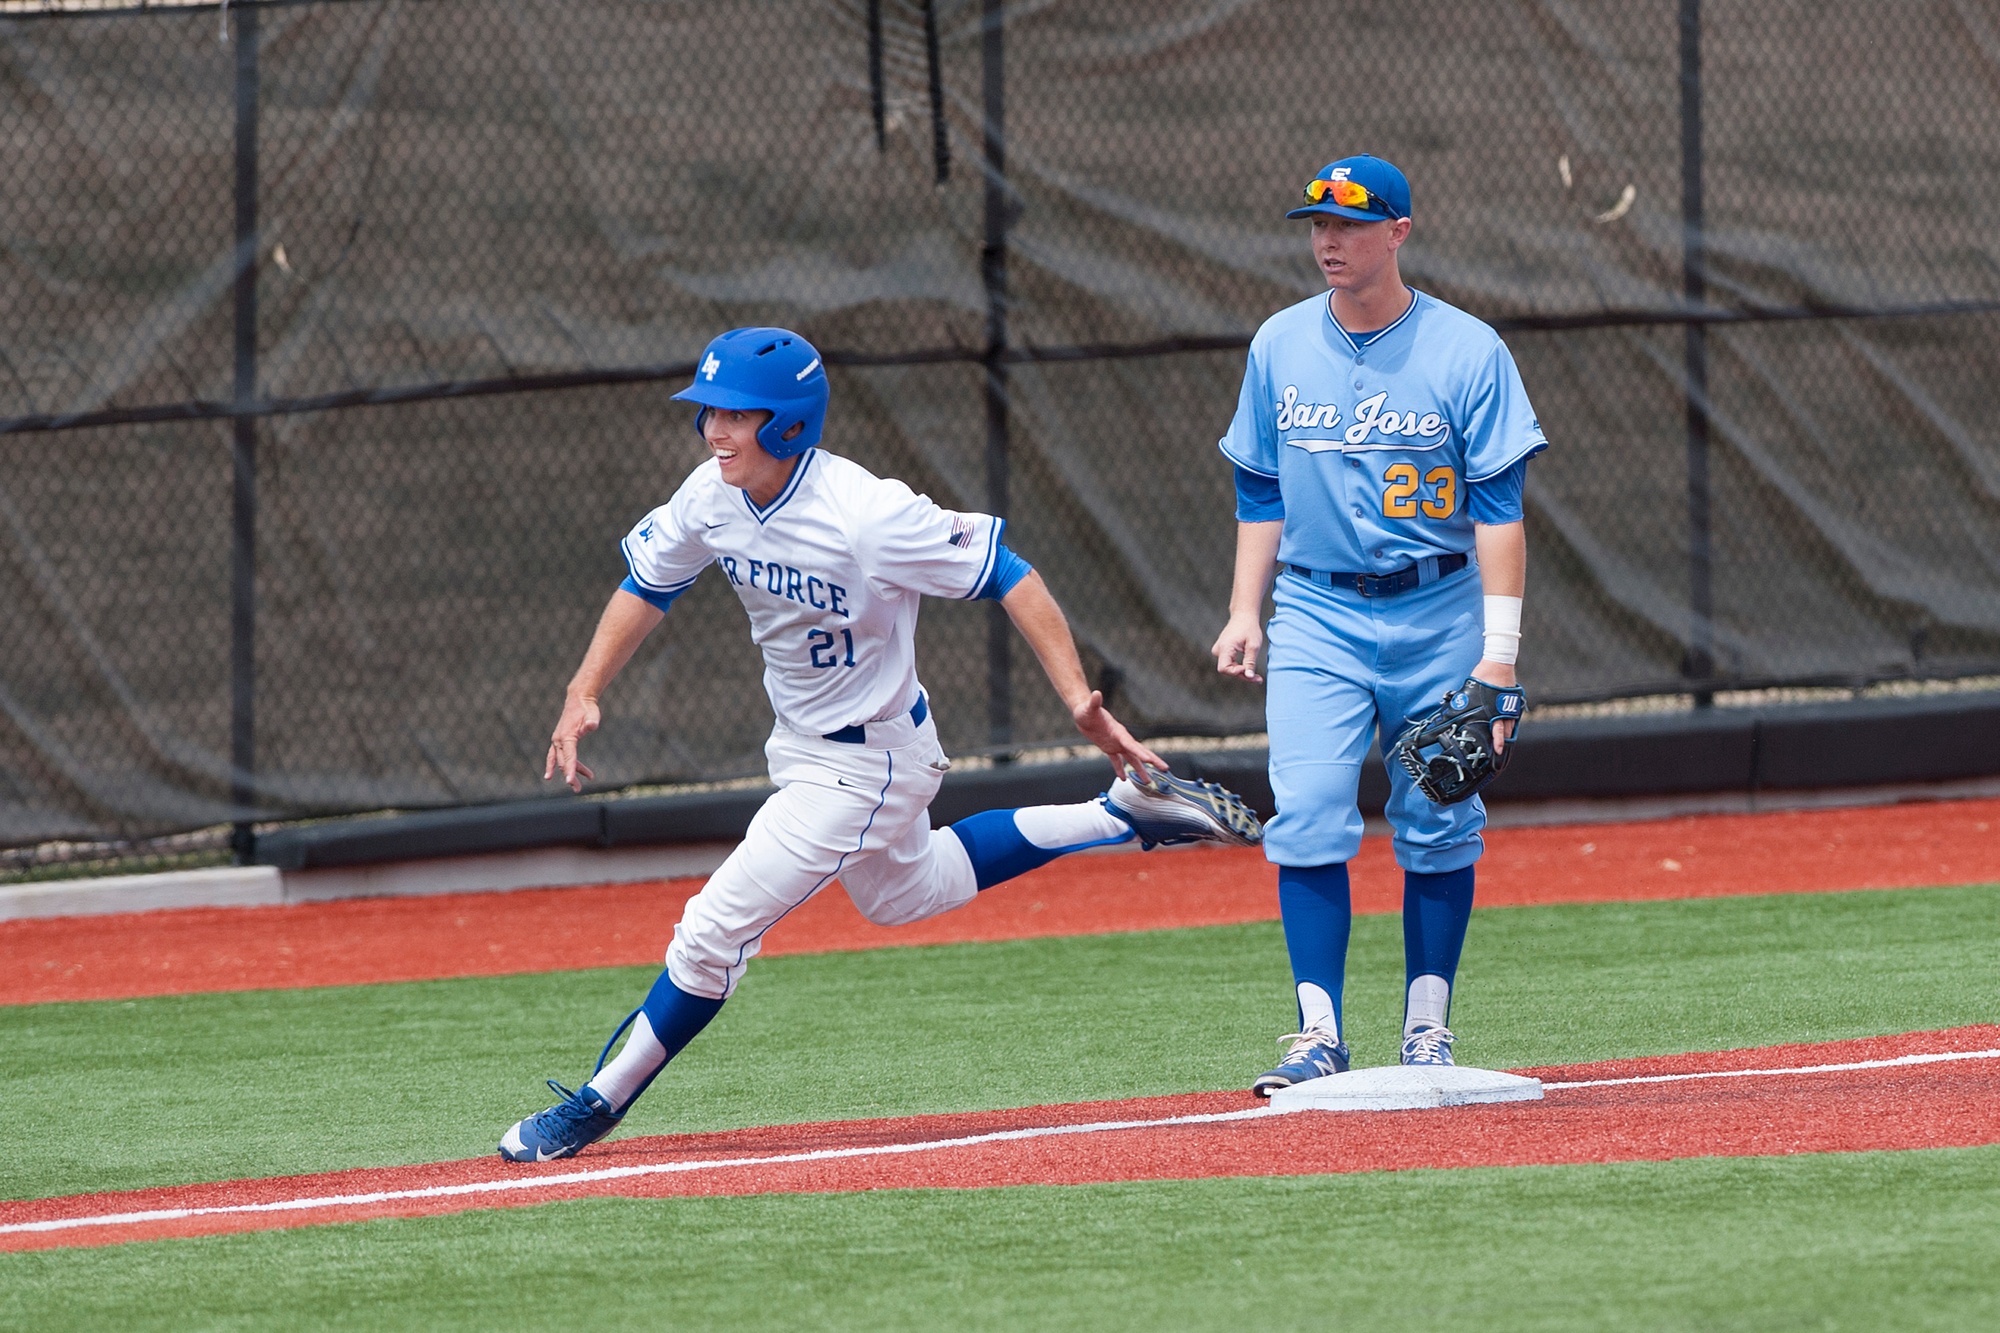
(1377, 438)
(782, 580)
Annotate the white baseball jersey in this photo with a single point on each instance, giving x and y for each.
(831, 573)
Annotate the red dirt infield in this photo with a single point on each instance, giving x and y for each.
(1754, 1108)
(543, 930)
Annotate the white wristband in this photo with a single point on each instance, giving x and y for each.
(1503, 629)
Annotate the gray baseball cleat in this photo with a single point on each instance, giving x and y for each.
(1165, 810)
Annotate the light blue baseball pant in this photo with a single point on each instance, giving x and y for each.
(1343, 667)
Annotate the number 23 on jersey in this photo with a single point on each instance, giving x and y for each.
(1409, 491)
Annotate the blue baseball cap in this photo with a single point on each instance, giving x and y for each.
(1388, 190)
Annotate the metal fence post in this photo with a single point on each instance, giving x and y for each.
(243, 499)
(993, 270)
(1699, 665)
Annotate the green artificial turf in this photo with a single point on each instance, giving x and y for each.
(120, 1095)
(1834, 1241)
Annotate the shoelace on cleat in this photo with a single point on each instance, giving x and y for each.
(571, 1110)
(1303, 1042)
(1427, 1043)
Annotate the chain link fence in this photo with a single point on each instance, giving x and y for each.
(337, 339)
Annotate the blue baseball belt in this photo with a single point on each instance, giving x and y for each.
(858, 733)
(1427, 570)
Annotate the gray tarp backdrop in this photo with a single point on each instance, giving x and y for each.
(336, 357)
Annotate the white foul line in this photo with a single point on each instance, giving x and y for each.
(1767, 1073)
(520, 1183)
(627, 1172)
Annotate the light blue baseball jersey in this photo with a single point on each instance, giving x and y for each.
(1376, 440)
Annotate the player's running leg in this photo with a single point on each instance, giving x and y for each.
(836, 806)
(931, 871)
(872, 831)
(1161, 810)
(667, 1021)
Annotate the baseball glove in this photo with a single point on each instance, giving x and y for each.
(1450, 751)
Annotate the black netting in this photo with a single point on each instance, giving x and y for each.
(438, 312)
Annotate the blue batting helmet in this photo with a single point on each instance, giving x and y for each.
(772, 369)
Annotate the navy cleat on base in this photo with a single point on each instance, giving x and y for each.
(1428, 1046)
(571, 1125)
(1165, 810)
(1315, 1053)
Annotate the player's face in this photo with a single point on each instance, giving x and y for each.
(1354, 254)
(732, 437)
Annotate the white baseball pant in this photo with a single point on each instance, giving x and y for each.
(854, 812)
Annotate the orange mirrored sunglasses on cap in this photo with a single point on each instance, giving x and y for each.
(1347, 194)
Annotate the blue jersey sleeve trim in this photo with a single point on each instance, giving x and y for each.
(643, 587)
(993, 548)
(1008, 570)
(662, 600)
(1224, 446)
(1258, 498)
(1518, 459)
(1497, 500)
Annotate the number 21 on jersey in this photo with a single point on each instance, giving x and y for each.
(824, 654)
(1408, 491)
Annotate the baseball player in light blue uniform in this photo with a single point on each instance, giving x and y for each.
(1380, 445)
(831, 563)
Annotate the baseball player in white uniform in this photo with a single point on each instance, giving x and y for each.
(830, 562)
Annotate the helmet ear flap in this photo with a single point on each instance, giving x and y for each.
(780, 435)
(700, 417)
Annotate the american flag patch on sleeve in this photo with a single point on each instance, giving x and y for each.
(961, 530)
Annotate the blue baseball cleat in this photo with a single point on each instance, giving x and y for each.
(1165, 810)
(1428, 1046)
(571, 1125)
(1315, 1053)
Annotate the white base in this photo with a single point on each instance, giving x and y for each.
(1400, 1088)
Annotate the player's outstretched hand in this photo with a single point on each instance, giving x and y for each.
(1108, 734)
(1237, 648)
(579, 719)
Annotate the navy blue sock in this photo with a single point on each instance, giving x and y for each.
(1318, 913)
(1436, 910)
(998, 849)
(677, 1017)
